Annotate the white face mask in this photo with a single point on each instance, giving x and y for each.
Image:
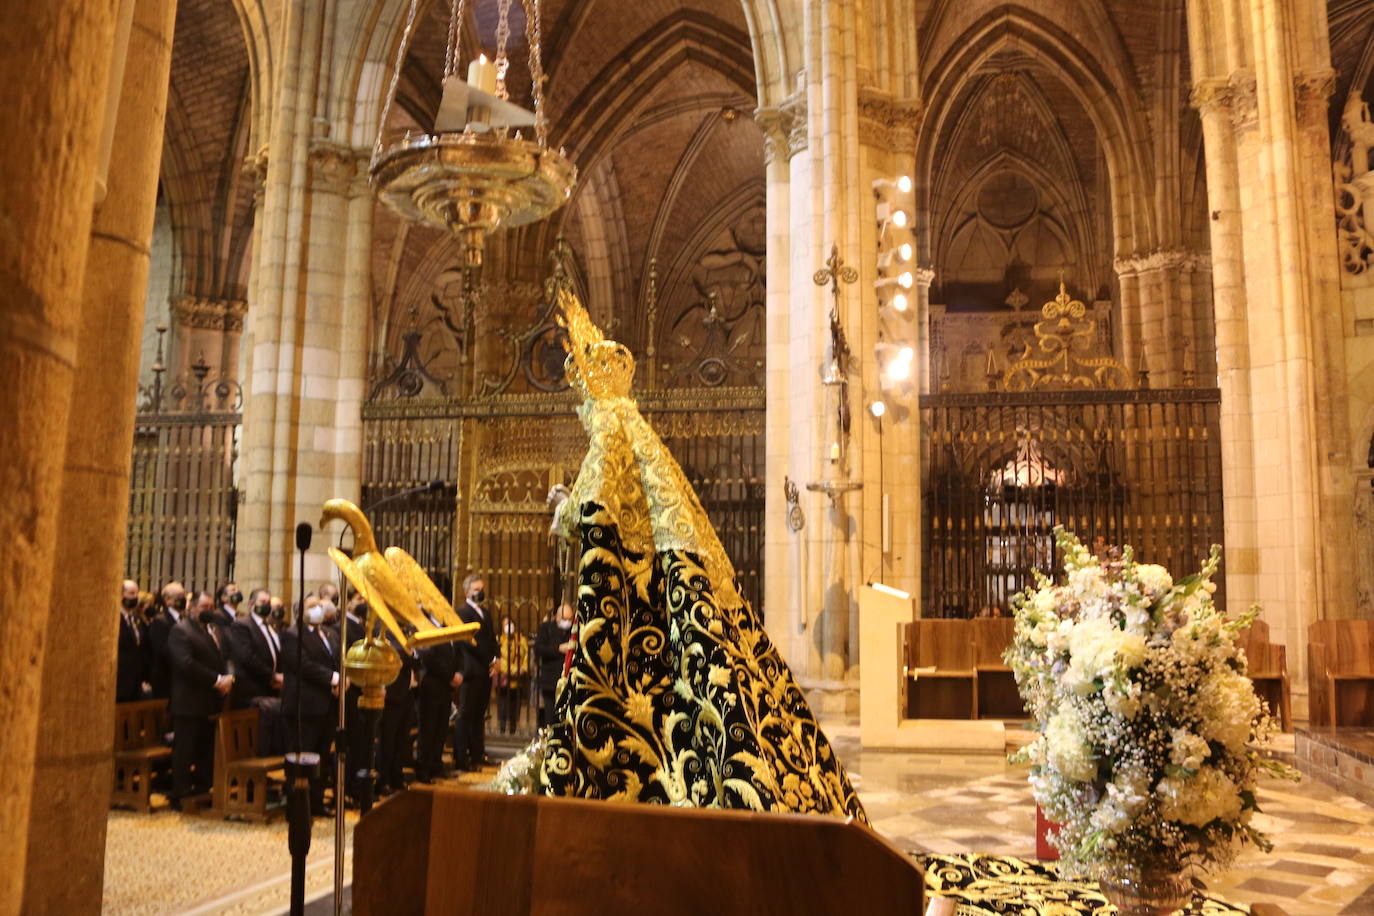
(564, 624)
(315, 615)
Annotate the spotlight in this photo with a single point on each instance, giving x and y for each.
(904, 184)
(899, 370)
(904, 279)
(905, 355)
(899, 302)
(877, 408)
(905, 251)
(899, 218)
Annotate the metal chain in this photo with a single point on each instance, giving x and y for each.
(455, 35)
(533, 28)
(502, 37)
(395, 79)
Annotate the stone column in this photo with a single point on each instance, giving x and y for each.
(54, 59)
(1293, 448)
(71, 775)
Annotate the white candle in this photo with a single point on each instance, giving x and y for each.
(482, 75)
(834, 451)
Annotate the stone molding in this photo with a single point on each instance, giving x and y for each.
(887, 122)
(337, 168)
(784, 127)
(924, 276)
(1183, 259)
(209, 314)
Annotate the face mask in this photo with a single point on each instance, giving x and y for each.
(263, 609)
(565, 624)
(326, 610)
(479, 596)
(206, 617)
(129, 603)
(235, 597)
(179, 603)
(314, 615)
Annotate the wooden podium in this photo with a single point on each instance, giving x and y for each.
(459, 851)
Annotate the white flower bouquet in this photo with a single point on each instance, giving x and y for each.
(1151, 736)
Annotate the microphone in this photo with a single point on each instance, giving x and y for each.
(303, 535)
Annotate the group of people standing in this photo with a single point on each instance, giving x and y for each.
(207, 654)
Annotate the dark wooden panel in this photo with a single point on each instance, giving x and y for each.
(391, 856)
(499, 855)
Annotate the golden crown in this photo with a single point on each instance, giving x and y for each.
(597, 367)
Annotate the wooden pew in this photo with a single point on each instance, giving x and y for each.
(995, 685)
(459, 852)
(139, 750)
(1268, 670)
(1340, 671)
(243, 780)
(942, 684)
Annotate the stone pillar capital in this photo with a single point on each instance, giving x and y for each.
(924, 276)
(209, 314)
(1311, 90)
(337, 168)
(784, 127)
(254, 168)
(1178, 259)
(887, 122)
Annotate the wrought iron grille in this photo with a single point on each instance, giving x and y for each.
(183, 502)
(1000, 470)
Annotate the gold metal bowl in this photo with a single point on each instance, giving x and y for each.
(471, 184)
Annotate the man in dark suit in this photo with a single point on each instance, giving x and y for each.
(131, 666)
(551, 645)
(474, 692)
(227, 601)
(441, 667)
(398, 715)
(159, 629)
(201, 678)
(256, 651)
(315, 683)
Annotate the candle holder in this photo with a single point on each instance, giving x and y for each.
(472, 175)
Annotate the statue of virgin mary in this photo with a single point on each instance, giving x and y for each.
(675, 694)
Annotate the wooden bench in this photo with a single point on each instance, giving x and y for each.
(243, 781)
(995, 686)
(940, 675)
(1340, 672)
(1267, 668)
(139, 751)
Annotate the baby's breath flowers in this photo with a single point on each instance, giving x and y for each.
(1151, 736)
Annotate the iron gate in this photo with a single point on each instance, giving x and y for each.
(183, 503)
(1001, 469)
(497, 458)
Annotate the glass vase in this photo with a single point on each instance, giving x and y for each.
(1145, 889)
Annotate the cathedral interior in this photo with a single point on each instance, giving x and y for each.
(913, 283)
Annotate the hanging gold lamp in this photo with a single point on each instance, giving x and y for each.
(476, 172)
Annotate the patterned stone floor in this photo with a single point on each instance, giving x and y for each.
(1322, 864)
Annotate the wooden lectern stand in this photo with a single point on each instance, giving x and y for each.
(459, 851)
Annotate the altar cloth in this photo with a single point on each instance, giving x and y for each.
(986, 884)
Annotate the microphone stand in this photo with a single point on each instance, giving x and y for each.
(300, 765)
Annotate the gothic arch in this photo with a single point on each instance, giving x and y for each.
(1111, 104)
